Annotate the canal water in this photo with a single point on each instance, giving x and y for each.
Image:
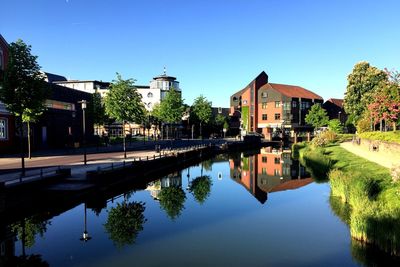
(257, 208)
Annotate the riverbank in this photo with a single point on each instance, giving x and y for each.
(367, 188)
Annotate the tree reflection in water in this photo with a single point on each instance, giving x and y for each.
(200, 188)
(172, 200)
(124, 222)
(33, 260)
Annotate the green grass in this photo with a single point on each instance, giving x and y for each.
(382, 136)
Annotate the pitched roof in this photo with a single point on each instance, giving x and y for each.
(291, 90)
(292, 184)
(336, 101)
(240, 92)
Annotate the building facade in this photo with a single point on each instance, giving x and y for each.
(86, 86)
(158, 89)
(7, 122)
(272, 109)
(335, 110)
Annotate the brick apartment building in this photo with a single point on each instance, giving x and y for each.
(271, 108)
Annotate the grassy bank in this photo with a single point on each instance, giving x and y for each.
(382, 136)
(367, 188)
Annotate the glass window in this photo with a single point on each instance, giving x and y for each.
(264, 159)
(3, 129)
(277, 104)
(277, 172)
(277, 160)
(264, 105)
(294, 104)
(277, 116)
(264, 170)
(264, 117)
(264, 94)
(150, 95)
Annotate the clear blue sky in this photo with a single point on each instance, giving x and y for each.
(213, 47)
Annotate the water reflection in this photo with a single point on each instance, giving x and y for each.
(200, 187)
(266, 171)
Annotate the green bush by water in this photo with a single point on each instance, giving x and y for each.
(382, 136)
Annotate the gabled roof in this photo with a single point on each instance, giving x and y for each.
(292, 184)
(240, 92)
(292, 90)
(336, 101)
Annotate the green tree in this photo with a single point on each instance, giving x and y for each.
(362, 82)
(202, 111)
(172, 200)
(124, 103)
(124, 222)
(201, 188)
(23, 89)
(336, 126)
(317, 116)
(171, 107)
(97, 110)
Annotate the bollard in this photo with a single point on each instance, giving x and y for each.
(154, 157)
(147, 158)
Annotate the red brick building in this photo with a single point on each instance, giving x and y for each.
(7, 124)
(271, 108)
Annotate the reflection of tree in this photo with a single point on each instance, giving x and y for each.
(340, 209)
(24, 261)
(27, 229)
(207, 165)
(201, 187)
(172, 200)
(124, 222)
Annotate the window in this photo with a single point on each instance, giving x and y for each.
(277, 104)
(277, 116)
(307, 104)
(264, 170)
(277, 172)
(286, 105)
(3, 129)
(302, 105)
(264, 159)
(264, 94)
(264, 105)
(150, 95)
(277, 160)
(264, 117)
(234, 99)
(244, 102)
(294, 104)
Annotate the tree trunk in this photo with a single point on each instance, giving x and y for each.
(394, 126)
(29, 140)
(124, 139)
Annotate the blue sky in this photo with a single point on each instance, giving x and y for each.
(213, 47)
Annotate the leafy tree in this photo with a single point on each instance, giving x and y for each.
(124, 103)
(362, 82)
(23, 89)
(336, 126)
(201, 109)
(386, 103)
(201, 188)
(171, 108)
(317, 116)
(172, 200)
(124, 222)
(97, 110)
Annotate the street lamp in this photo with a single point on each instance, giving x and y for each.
(339, 116)
(84, 105)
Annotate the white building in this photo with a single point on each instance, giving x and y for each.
(157, 90)
(86, 86)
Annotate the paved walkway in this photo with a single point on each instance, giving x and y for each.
(377, 157)
(51, 160)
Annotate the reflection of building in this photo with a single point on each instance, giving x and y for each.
(172, 180)
(269, 171)
(269, 108)
(7, 242)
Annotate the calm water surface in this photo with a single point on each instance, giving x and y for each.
(247, 210)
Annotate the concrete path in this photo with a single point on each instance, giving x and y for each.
(377, 157)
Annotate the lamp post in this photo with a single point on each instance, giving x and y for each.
(339, 116)
(84, 105)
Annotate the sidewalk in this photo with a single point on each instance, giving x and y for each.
(10, 167)
(377, 157)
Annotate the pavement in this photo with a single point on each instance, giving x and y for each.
(374, 156)
(48, 161)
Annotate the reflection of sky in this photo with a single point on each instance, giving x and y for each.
(293, 228)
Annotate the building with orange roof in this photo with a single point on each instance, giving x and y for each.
(271, 109)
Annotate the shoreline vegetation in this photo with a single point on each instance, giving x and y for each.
(366, 191)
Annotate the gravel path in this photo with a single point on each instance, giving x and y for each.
(380, 158)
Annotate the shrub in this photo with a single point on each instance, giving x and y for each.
(364, 125)
(336, 126)
(395, 172)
